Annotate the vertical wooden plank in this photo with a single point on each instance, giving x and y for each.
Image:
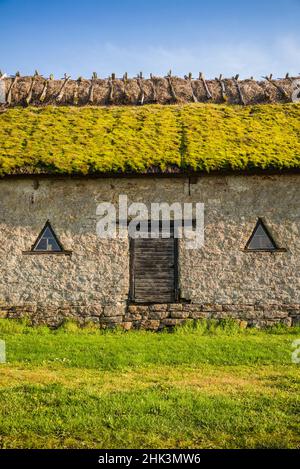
(131, 267)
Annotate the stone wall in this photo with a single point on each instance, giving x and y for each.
(155, 316)
(219, 280)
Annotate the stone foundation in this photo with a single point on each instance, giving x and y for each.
(155, 316)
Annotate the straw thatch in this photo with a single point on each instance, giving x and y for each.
(37, 90)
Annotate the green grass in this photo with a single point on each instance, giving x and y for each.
(201, 137)
(210, 386)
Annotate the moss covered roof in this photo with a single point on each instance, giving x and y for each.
(195, 137)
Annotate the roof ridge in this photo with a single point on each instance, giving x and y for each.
(36, 90)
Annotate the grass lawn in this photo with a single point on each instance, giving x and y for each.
(204, 387)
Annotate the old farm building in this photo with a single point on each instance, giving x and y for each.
(66, 146)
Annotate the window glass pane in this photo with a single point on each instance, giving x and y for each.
(52, 245)
(47, 233)
(261, 240)
(47, 241)
(42, 245)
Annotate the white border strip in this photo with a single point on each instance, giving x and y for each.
(2, 352)
(2, 89)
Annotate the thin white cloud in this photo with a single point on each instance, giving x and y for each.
(254, 58)
(248, 59)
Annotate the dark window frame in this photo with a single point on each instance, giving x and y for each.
(61, 251)
(260, 222)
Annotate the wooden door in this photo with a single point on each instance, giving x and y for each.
(154, 270)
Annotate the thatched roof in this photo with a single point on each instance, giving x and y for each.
(36, 90)
(149, 139)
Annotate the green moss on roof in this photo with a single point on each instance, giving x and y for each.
(70, 140)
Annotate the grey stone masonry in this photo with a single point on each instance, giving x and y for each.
(156, 316)
(93, 283)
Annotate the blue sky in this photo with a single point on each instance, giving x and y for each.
(79, 37)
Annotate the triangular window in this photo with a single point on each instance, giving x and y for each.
(47, 241)
(261, 240)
